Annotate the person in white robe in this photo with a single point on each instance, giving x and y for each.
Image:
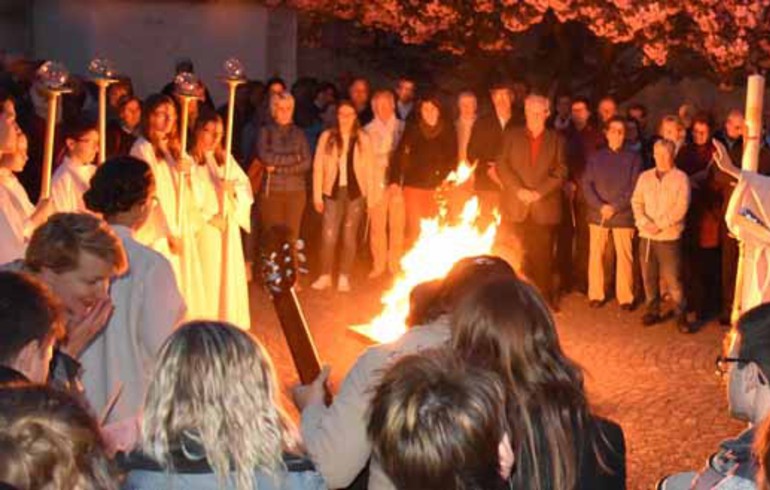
(173, 225)
(226, 197)
(148, 305)
(71, 179)
(18, 216)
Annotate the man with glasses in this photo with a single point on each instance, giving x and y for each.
(745, 368)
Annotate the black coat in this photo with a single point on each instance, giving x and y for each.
(424, 162)
(484, 147)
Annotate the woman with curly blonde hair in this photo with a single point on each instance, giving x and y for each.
(212, 418)
(49, 441)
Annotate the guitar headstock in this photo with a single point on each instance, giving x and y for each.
(281, 261)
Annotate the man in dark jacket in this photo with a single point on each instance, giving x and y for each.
(608, 183)
(30, 324)
(581, 140)
(484, 148)
(532, 170)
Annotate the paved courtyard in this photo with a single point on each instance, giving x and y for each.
(657, 383)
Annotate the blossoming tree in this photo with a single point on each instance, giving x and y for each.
(728, 34)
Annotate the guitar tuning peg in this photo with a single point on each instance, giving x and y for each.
(286, 246)
(299, 244)
(301, 257)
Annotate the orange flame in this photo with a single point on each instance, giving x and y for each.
(437, 249)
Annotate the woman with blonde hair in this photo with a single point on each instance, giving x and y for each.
(212, 418)
(49, 441)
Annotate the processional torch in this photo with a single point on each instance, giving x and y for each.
(53, 79)
(186, 87)
(233, 77)
(103, 75)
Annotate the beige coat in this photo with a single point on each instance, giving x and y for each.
(326, 166)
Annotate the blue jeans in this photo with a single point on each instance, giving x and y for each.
(661, 260)
(340, 214)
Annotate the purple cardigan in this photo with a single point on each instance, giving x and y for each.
(610, 178)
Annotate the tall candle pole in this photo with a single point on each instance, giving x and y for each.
(53, 78)
(186, 87)
(234, 76)
(103, 72)
(183, 140)
(755, 91)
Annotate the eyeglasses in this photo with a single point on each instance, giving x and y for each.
(722, 362)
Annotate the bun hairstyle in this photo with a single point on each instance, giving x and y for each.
(118, 185)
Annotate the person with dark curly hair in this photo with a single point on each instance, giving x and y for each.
(148, 304)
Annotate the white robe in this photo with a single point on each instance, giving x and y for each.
(148, 306)
(166, 221)
(752, 193)
(68, 184)
(15, 213)
(228, 270)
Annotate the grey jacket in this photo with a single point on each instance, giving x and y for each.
(145, 474)
(286, 149)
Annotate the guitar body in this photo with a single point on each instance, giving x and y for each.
(279, 272)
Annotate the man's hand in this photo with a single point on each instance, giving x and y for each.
(319, 207)
(606, 212)
(651, 228)
(312, 394)
(525, 196)
(82, 330)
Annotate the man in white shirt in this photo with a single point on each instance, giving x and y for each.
(386, 203)
(660, 202)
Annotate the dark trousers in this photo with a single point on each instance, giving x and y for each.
(341, 214)
(702, 275)
(283, 209)
(536, 243)
(572, 246)
(661, 260)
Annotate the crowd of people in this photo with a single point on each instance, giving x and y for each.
(125, 359)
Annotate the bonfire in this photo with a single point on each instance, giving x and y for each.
(443, 240)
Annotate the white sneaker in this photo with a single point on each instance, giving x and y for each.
(323, 282)
(343, 284)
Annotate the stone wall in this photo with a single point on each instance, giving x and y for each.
(144, 38)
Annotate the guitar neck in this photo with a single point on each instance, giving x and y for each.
(297, 333)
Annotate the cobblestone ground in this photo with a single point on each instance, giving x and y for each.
(657, 383)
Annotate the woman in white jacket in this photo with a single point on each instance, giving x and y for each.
(225, 192)
(147, 301)
(341, 182)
